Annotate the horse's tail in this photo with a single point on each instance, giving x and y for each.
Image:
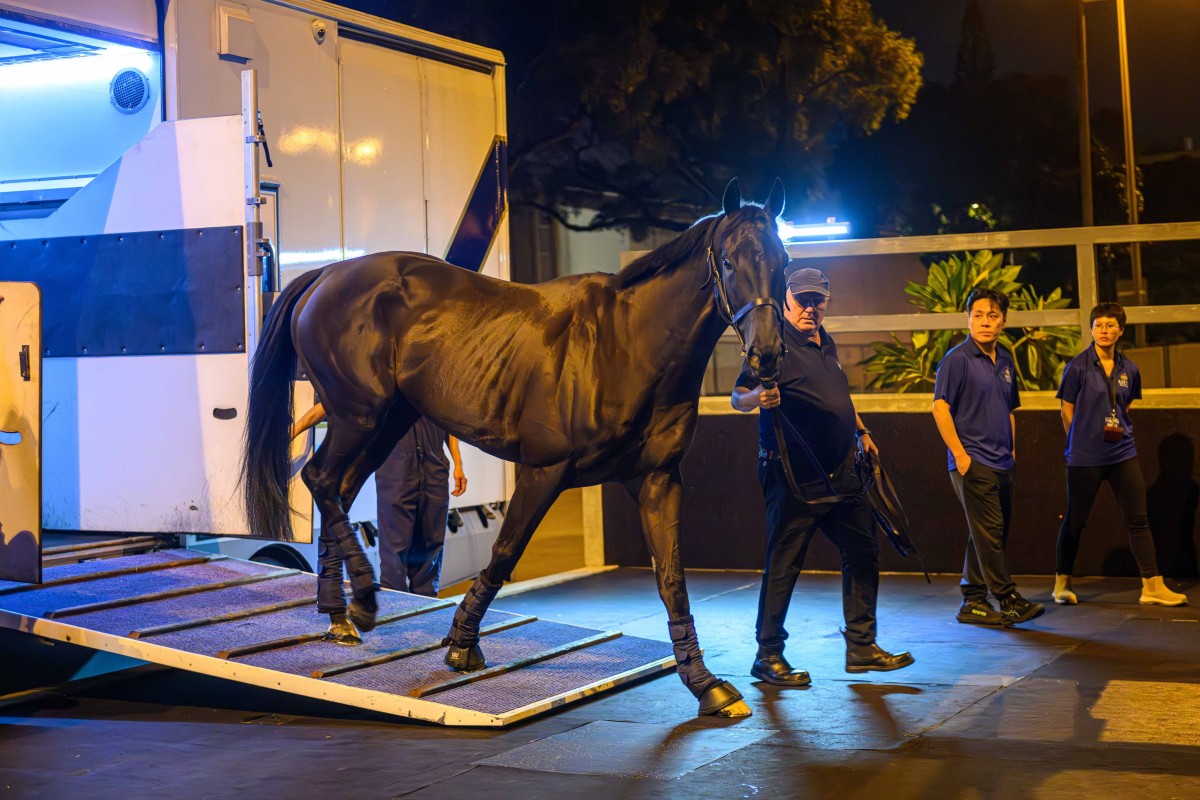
(265, 460)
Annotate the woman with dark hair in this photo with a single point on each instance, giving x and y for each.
(1098, 386)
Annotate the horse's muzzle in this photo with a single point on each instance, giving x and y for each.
(763, 364)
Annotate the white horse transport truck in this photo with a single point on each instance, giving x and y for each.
(165, 167)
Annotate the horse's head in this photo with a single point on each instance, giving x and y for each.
(747, 259)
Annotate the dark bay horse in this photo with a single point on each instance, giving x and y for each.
(582, 380)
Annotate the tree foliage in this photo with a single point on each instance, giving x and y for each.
(642, 111)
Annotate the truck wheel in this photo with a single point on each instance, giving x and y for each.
(280, 556)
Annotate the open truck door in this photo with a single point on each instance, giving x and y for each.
(20, 432)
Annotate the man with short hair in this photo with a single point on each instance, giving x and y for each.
(974, 396)
(820, 430)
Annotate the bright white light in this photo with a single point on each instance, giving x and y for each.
(89, 69)
(302, 138)
(292, 258)
(365, 151)
(791, 233)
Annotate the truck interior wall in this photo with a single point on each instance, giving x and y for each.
(135, 18)
(74, 98)
(723, 522)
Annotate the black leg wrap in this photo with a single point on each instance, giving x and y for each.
(464, 653)
(363, 606)
(331, 594)
(690, 664)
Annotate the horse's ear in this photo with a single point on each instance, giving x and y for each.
(776, 199)
(733, 197)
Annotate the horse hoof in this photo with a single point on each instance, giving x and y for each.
(342, 631)
(362, 612)
(465, 659)
(723, 700)
(738, 710)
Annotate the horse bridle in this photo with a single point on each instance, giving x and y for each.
(721, 295)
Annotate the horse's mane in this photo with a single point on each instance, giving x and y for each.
(675, 251)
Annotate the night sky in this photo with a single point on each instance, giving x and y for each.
(1038, 37)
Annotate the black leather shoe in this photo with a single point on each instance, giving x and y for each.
(776, 671)
(873, 658)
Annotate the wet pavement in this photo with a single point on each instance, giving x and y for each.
(1098, 700)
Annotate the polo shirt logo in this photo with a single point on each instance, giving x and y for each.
(1007, 375)
(1123, 380)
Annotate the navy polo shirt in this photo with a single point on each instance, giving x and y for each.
(1085, 384)
(815, 398)
(981, 397)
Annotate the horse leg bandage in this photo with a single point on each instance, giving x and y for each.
(464, 653)
(362, 575)
(331, 597)
(689, 661)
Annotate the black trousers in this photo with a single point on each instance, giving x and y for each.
(413, 502)
(791, 524)
(986, 497)
(1125, 478)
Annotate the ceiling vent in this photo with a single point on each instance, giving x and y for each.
(129, 91)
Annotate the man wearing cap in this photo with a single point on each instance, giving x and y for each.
(822, 435)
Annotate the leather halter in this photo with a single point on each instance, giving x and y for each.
(721, 293)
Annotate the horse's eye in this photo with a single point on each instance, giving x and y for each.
(725, 263)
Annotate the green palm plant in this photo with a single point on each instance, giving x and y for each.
(1039, 353)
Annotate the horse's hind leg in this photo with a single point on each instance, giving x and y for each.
(325, 475)
(659, 500)
(394, 425)
(536, 490)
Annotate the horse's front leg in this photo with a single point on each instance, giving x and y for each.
(659, 500)
(536, 490)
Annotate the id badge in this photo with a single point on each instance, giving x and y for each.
(1112, 429)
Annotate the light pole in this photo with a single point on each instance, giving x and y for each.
(1135, 248)
(1085, 117)
(1085, 142)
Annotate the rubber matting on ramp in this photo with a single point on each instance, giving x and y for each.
(258, 624)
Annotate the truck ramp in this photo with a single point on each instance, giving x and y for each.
(258, 624)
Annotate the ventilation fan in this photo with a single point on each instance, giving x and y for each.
(129, 91)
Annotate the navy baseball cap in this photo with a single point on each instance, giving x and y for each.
(808, 280)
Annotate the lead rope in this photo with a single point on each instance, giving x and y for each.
(781, 443)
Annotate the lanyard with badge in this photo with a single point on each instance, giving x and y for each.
(1113, 432)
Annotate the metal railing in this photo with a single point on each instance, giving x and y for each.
(1084, 240)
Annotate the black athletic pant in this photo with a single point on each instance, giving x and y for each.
(791, 523)
(986, 497)
(1125, 478)
(413, 503)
